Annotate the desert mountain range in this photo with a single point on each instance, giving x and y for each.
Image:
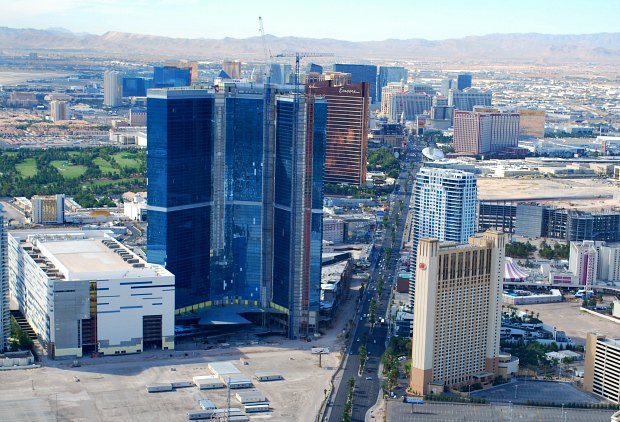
(533, 48)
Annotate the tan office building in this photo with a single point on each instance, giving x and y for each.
(232, 68)
(457, 312)
(602, 370)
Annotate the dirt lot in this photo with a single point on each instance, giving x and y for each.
(496, 188)
(566, 316)
(112, 388)
(115, 390)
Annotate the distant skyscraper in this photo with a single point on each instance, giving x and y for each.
(59, 110)
(336, 78)
(171, 76)
(112, 89)
(444, 208)
(235, 201)
(136, 87)
(281, 73)
(314, 68)
(446, 86)
(463, 81)
(468, 99)
(5, 316)
(182, 64)
(409, 105)
(389, 74)
(361, 73)
(347, 131)
(457, 313)
(442, 114)
(386, 96)
(484, 131)
(232, 68)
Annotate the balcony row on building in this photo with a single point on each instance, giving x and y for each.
(532, 220)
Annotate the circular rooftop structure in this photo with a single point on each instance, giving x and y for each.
(433, 154)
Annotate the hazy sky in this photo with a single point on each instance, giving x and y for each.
(354, 20)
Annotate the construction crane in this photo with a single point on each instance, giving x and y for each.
(266, 50)
(298, 56)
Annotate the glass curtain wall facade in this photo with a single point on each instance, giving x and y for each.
(389, 74)
(179, 156)
(171, 76)
(236, 261)
(300, 151)
(361, 73)
(249, 228)
(444, 209)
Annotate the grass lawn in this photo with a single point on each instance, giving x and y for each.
(105, 166)
(68, 170)
(27, 168)
(9, 153)
(126, 159)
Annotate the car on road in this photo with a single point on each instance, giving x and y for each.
(368, 378)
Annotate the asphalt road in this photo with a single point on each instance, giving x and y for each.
(368, 384)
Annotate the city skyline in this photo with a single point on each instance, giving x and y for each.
(194, 19)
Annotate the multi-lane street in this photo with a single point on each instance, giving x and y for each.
(368, 383)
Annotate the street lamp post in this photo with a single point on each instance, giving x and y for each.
(563, 414)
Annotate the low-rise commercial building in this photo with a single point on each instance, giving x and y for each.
(84, 292)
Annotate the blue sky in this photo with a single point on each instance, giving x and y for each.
(354, 20)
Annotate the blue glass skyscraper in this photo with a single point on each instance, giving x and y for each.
(463, 81)
(260, 222)
(361, 73)
(300, 156)
(171, 76)
(389, 74)
(135, 87)
(179, 159)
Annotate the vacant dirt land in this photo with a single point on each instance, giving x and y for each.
(564, 189)
(112, 389)
(567, 317)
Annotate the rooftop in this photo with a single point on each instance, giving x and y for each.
(614, 342)
(86, 255)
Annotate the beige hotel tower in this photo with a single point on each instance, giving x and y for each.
(457, 312)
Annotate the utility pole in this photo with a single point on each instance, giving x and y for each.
(228, 401)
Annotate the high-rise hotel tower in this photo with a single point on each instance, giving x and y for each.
(457, 313)
(444, 209)
(235, 200)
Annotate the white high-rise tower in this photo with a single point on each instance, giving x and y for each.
(112, 88)
(444, 209)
